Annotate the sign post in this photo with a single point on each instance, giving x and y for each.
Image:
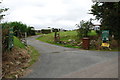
(105, 35)
(10, 44)
(105, 38)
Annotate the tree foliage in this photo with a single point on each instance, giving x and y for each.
(19, 28)
(1, 12)
(109, 15)
(30, 31)
(84, 28)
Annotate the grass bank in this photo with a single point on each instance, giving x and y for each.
(17, 43)
(16, 61)
(31, 50)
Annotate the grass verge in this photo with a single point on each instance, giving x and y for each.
(33, 54)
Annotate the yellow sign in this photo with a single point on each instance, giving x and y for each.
(105, 44)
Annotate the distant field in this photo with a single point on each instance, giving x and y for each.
(68, 35)
(64, 36)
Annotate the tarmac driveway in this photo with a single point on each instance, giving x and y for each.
(61, 62)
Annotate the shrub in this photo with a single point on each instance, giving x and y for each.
(45, 31)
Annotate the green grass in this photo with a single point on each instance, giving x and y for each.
(18, 43)
(68, 35)
(92, 33)
(34, 55)
(64, 36)
(38, 33)
(47, 37)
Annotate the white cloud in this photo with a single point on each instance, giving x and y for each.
(43, 13)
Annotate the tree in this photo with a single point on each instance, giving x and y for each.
(30, 31)
(1, 11)
(84, 28)
(18, 28)
(108, 14)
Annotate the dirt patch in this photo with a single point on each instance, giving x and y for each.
(15, 62)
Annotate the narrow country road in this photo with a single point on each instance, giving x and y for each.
(61, 62)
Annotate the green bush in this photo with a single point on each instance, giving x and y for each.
(45, 31)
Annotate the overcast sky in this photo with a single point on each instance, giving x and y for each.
(48, 13)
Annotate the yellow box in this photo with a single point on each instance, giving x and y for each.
(105, 44)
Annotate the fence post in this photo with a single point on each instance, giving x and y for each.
(0, 40)
(0, 51)
(26, 38)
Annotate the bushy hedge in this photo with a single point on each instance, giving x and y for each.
(19, 29)
(45, 31)
(5, 38)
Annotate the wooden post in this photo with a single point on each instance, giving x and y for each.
(26, 38)
(0, 40)
(55, 36)
(0, 51)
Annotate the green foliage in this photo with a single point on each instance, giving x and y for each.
(19, 28)
(30, 31)
(45, 31)
(18, 43)
(80, 33)
(55, 30)
(84, 28)
(1, 11)
(108, 14)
